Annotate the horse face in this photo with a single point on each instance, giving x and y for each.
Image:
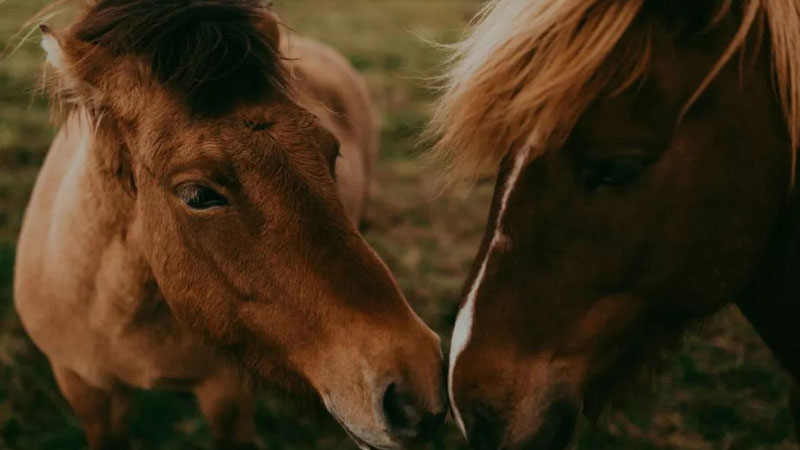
(251, 246)
(237, 213)
(600, 251)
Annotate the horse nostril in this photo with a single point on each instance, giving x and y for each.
(485, 429)
(406, 418)
(429, 424)
(398, 409)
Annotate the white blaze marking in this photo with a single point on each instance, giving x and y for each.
(464, 320)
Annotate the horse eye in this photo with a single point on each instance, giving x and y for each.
(615, 172)
(200, 197)
(332, 154)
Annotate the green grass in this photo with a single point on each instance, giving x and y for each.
(722, 389)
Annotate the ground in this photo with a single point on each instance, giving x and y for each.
(721, 389)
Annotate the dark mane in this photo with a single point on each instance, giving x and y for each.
(213, 53)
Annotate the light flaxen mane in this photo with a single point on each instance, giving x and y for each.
(532, 67)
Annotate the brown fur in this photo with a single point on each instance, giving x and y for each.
(643, 188)
(123, 284)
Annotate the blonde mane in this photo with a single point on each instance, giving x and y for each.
(530, 68)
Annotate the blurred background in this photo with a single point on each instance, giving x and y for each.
(720, 390)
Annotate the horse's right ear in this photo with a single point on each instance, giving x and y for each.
(67, 57)
(76, 81)
(52, 46)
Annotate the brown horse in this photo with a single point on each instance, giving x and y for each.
(646, 154)
(201, 195)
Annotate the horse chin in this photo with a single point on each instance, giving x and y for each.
(363, 445)
(365, 440)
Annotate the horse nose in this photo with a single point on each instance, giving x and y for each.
(484, 428)
(407, 416)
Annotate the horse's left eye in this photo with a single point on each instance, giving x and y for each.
(614, 172)
(200, 197)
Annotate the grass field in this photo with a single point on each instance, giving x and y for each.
(722, 389)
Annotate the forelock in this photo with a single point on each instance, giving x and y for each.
(211, 53)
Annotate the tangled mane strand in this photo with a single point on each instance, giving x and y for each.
(530, 68)
(212, 53)
(784, 24)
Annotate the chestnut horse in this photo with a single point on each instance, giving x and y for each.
(196, 215)
(646, 153)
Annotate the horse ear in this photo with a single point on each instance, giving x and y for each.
(53, 47)
(73, 78)
(75, 82)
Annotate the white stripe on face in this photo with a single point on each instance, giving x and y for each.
(463, 327)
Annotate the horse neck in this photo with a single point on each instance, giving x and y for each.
(113, 203)
(91, 216)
